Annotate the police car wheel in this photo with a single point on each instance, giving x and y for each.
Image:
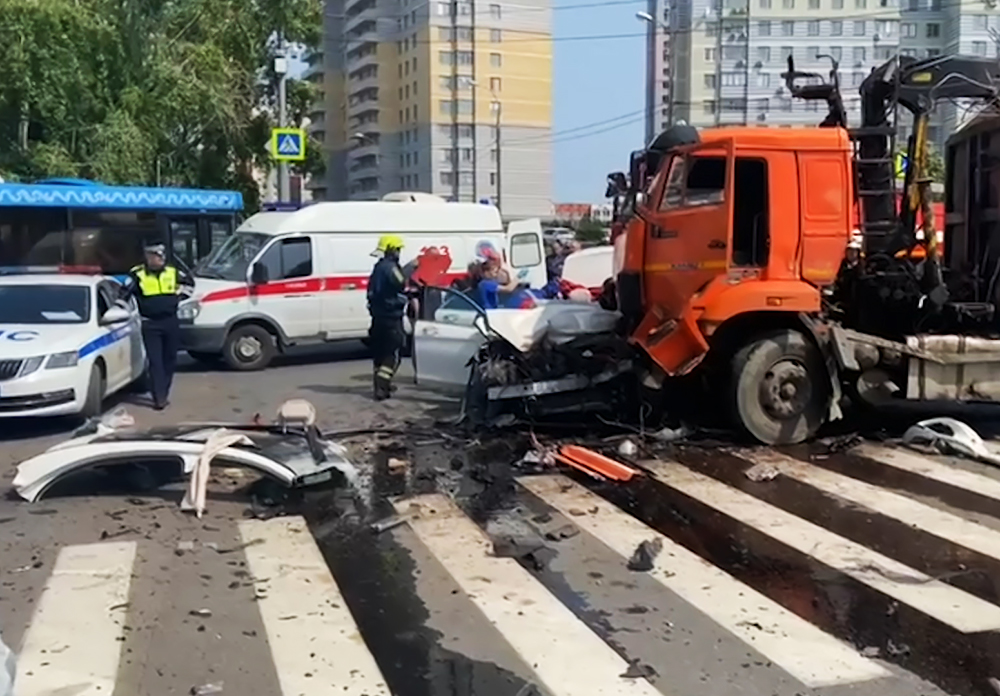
(248, 348)
(95, 393)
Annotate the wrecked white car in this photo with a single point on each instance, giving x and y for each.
(294, 457)
(557, 357)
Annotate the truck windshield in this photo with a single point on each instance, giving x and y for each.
(231, 260)
(44, 304)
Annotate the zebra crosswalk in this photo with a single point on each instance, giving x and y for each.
(556, 636)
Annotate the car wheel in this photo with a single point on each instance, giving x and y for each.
(780, 390)
(249, 348)
(96, 388)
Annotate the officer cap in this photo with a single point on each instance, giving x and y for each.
(157, 249)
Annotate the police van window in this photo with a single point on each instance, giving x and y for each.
(694, 181)
(44, 304)
(525, 250)
(289, 258)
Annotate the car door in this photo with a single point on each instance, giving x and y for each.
(445, 339)
(290, 293)
(115, 353)
(524, 253)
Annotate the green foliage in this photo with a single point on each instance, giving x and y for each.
(141, 91)
(589, 230)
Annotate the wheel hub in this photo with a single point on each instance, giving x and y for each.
(786, 389)
(248, 348)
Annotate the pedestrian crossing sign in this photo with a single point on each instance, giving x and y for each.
(288, 144)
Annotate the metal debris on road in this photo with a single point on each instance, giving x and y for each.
(200, 612)
(639, 670)
(594, 464)
(387, 524)
(645, 554)
(206, 689)
(627, 448)
(397, 466)
(951, 436)
(762, 472)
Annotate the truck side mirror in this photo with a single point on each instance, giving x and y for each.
(258, 274)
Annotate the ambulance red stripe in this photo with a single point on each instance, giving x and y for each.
(303, 286)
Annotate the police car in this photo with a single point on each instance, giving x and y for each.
(66, 342)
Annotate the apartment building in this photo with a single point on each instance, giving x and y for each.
(731, 53)
(451, 97)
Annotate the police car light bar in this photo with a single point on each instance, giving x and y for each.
(51, 270)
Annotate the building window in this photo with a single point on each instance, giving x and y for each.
(836, 28)
(446, 107)
(709, 81)
(979, 22)
(466, 58)
(813, 4)
(493, 156)
(494, 11)
(710, 55)
(908, 30)
(463, 8)
(709, 106)
(883, 52)
(466, 178)
(467, 154)
(764, 4)
(837, 52)
(785, 104)
(447, 178)
(493, 178)
(465, 130)
(860, 4)
(935, 5)
(788, 28)
(813, 27)
(859, 28)
(788, 4)
(734, 79)
(763, 79)
(763, 28)
(445, 58)
(979, 48)
(763, 104)
(495, 35)
(885, 28)
(786, 52)
(764, 54)
(443, 8)
(495, 84)
(913, 5)
(933, 52)
(838, 4)
(857, 78)
(812, 53)
(495, 60)
(859, 54)
(465, 106)
(933, 30)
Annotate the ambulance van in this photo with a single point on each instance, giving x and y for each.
(300, 277)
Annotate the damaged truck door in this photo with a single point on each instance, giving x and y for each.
(449, 332)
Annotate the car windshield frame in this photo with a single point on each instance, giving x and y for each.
(230, 261)
(22, 301)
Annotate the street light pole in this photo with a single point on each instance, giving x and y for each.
(672, 67)
(281, 70)
(497, 126)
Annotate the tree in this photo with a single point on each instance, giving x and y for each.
(589, 230)
(144, 91)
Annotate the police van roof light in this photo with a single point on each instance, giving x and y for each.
(50, 270)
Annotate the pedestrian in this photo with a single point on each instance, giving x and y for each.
(386, 305)
(158, 288)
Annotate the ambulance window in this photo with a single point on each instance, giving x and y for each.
(289, 258)
(525, 250)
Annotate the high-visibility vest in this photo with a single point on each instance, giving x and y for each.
(152, 284)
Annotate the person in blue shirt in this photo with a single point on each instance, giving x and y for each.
(493, 280)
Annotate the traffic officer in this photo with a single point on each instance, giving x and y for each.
(158, 288)
(386, 305)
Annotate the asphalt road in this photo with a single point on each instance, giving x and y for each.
(867, 572)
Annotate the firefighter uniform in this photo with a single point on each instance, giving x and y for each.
(386, 305)
(158, 288)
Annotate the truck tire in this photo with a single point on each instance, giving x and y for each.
(96, 387)
(249, 348)
(779, 388)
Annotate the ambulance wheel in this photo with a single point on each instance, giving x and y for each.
(249, 348)
(96, 387)
(779, 388)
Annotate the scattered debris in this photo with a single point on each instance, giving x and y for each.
(645, 554)
(528, 689)
(387, 524)
(200, 612)
(206, 689)
(397, 466)
(639, 670)
(594, 464)
(567, 531)
(671, 434)
(232, 549)
(895, 650)
(951, 436)
(994, 684)
(627, 448)
(871, 651)
(762, 472)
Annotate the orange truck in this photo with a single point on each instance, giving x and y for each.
(780, 269)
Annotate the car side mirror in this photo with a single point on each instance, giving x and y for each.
(115, 315)
(258, 274)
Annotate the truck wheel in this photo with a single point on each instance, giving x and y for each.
(248, 348)
(96, 387)
(780, 388)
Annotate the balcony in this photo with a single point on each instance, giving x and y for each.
(361, 59)
(351, 25)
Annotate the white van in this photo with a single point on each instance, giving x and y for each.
(293, 278)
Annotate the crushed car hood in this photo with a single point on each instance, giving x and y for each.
(283, 455)
(556, 321)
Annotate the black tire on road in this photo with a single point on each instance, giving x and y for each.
(249, 348)
(96, 388)
(780, 388)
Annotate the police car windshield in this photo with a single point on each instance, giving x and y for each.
(44, 304)
(231, 260)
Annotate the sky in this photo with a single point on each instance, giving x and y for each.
(594, 81)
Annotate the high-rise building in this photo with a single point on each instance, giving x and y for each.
(731, 55)
(452, 98)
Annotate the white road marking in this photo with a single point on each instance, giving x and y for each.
(322, 647)
(808, 654)
(73, 643)
(566, 656)
(947, 604)
(914, 463)
(913, 513)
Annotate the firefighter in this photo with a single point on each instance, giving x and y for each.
(386, 305)
(158, 288)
